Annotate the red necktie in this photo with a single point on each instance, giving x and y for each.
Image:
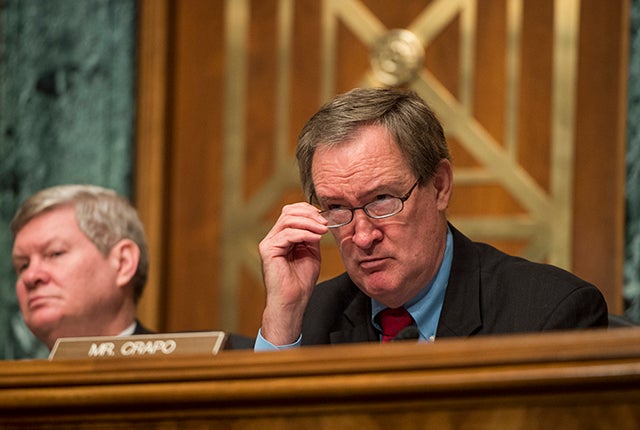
(393, 321)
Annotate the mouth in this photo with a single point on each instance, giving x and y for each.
(374, 264)
(37, 302)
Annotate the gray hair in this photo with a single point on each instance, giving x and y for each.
(408, 119)
(103, 215)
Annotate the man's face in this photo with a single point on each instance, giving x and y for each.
(390, 259)
(65, 286)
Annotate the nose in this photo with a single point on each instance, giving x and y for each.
(365, 231)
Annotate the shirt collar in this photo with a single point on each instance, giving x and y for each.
(129, 330)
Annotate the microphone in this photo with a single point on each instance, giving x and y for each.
(410, 332)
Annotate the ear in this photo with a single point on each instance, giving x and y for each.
(125, 256)
(443, 184)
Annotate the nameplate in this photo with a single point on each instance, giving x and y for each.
(151, 345)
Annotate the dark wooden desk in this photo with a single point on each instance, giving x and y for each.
(570, 380)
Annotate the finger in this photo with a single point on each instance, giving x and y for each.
(284, 241)
(303, 210)
(300, 218)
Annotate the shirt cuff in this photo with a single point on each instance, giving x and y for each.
(264, 345)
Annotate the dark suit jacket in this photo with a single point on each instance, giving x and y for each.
(140, 329)
(489, 292)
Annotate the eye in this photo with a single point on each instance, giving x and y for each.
(383, 197)
(55, 253)
(20, 266)
(335, 207)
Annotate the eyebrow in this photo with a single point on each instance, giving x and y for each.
(41, 247)
(380, 189)
(17, 260)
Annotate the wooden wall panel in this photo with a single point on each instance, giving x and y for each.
(243, 76)
(598, 245)
(150, 160)
(194, 168)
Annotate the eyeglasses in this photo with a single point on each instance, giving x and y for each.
(384, 207)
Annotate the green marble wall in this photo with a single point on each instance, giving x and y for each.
(67, 84)
(632, 263)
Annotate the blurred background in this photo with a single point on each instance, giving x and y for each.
(191, 108)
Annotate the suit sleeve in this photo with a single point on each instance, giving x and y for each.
(583, 307)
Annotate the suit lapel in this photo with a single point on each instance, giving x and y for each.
(461, 316)
(140, 329)
(356, 325)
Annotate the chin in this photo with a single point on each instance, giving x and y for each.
(43, 323)
(381, 292)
